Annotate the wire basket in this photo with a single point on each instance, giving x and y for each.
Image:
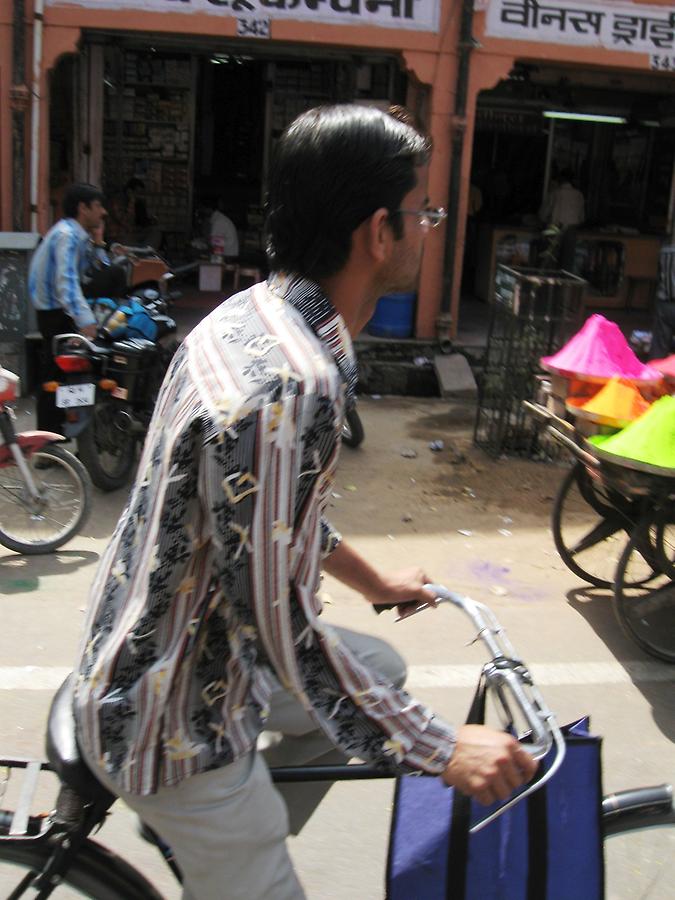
(534, 314)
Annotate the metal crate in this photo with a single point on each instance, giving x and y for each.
(534, 314)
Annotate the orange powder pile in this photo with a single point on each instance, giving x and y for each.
(617, 400)
(649, 439)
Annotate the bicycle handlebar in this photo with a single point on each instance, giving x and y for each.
(511, 681)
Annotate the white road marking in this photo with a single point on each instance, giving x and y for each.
(561, 674)
(48, 678)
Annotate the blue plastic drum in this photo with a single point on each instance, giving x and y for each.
(394, 316)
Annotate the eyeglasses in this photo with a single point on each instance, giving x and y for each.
(431, 217)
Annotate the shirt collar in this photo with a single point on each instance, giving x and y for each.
(79, 230)
(325, 321)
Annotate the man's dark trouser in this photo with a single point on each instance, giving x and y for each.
(50, 322)
(663, 329)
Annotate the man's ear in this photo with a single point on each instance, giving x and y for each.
(377, 234)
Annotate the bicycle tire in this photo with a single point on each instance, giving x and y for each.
(637, 808)
(602, 516)
(96, 872)
(71, 487)
(645, 611)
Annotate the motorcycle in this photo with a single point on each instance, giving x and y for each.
(45, 492)
(110, 385)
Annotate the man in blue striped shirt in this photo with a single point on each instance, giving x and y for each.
(54, 284)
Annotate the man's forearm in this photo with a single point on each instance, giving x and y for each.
(349, 567)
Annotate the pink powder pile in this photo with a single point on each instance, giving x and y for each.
(600, 350)
(665, 366)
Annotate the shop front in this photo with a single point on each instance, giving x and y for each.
(187, 97)
(580, 94)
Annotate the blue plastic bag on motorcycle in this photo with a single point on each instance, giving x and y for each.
(129, 319)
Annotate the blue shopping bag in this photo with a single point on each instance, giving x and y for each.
(549, 847)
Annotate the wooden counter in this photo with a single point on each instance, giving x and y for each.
(621, 269)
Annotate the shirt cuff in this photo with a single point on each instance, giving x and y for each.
(330, 538)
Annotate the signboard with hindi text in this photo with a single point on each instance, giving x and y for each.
(615, 25)
(418, 15)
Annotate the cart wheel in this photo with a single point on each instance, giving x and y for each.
(590, 523)
(665, 541)
(646, 611)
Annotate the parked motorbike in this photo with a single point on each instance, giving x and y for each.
(110, 385)
(45, 492)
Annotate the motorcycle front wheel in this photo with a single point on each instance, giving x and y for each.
(107, 450)
(32, 525)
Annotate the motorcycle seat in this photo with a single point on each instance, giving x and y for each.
(133, 345)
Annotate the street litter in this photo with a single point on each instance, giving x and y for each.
(468, 492)
(350, 487)
(505, 532)
(507, 520)
(498, 591)
(409, 453)
(422, 361)
(406, 518)
(376, 396)
(336, 495)
(465, 532)
(436, 445)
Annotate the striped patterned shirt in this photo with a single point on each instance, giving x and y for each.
(210, 580)
(57, 267)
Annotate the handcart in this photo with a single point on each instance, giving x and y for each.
(613, 524)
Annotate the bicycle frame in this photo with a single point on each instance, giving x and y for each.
(66, 831)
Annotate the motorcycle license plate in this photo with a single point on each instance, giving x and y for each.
(68, 395)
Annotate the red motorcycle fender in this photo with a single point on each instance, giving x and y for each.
(29, 442)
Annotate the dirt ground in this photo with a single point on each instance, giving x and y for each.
(423, 487)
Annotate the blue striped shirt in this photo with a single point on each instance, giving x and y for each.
(57, 266)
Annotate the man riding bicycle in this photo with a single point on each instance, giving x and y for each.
(204, 625)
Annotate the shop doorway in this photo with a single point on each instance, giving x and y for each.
(197, 129)
(610, 137)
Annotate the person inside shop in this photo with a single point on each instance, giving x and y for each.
(129, 221)
(223, 236)
(565, 208)
(210, 631)
(55, 285)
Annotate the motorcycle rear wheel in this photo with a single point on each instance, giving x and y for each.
(108, 453)
(40, 526)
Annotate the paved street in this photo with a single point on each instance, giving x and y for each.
(477, 525)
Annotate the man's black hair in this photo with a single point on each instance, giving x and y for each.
(135, 183)
(79, 193)
(333, 167)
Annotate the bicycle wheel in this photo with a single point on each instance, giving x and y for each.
(645, 603)
(96, 873)
(30, 525)
(640, 842)
(590, 523)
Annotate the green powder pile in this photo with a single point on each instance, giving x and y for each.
(649, 439)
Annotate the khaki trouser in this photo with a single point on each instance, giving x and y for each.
(227, 828)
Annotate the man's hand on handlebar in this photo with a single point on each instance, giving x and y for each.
(403, 590)
(89, 331)
(488, 765)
